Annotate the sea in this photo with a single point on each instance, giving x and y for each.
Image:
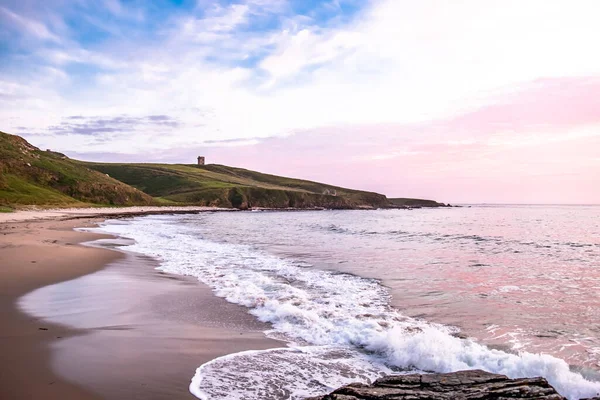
(355, 295)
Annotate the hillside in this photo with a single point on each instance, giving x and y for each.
(415, 203)
(31, 176)
(223, 186)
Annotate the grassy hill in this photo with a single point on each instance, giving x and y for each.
(223, 186)
(29, 175)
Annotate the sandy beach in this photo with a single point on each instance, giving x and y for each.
(38, 214)
(105, 324)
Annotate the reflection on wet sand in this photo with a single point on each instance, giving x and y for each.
(144, 332)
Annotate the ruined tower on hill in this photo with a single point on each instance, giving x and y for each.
(200, 160)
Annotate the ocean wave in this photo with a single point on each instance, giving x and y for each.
(311, 307)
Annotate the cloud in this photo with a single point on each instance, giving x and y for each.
(515, 150)
(30, 26)
(234, 142)
(123, 124)
(60, 57)
(117, 9)
(280, 71)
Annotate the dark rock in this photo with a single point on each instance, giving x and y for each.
(462, 385)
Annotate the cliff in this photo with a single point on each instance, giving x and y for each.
(414, 203)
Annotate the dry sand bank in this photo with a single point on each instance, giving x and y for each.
(137, 332)
(75, 213)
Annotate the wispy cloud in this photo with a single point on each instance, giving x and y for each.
(123, 124)
(28, 25)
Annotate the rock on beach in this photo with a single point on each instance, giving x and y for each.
(471, 385)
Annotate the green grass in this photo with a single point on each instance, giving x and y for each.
(4, 209)
(31, 176)
(19, 191)
(220, 185)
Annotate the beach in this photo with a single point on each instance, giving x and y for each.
(146, 307)
(141, 339)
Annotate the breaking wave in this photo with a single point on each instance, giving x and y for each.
(340, 326)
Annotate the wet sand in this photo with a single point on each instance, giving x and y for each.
(109, 325)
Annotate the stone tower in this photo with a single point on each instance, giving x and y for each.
(200, 160)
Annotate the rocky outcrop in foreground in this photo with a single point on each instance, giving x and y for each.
(471, 385)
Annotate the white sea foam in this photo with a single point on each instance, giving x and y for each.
(508, 289)
(311, 307)
(266, 374)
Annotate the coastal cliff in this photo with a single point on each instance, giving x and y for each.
(226, 186)
(472, 385)
(415, 203)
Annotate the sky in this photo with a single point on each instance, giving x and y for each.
(463, 101)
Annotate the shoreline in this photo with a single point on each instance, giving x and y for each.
(35, 255)
(101, 213)
(49, 358)
(30, 215)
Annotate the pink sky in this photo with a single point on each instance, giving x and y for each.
(538, 144)
(534, 143)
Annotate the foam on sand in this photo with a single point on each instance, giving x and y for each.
(267, 374)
